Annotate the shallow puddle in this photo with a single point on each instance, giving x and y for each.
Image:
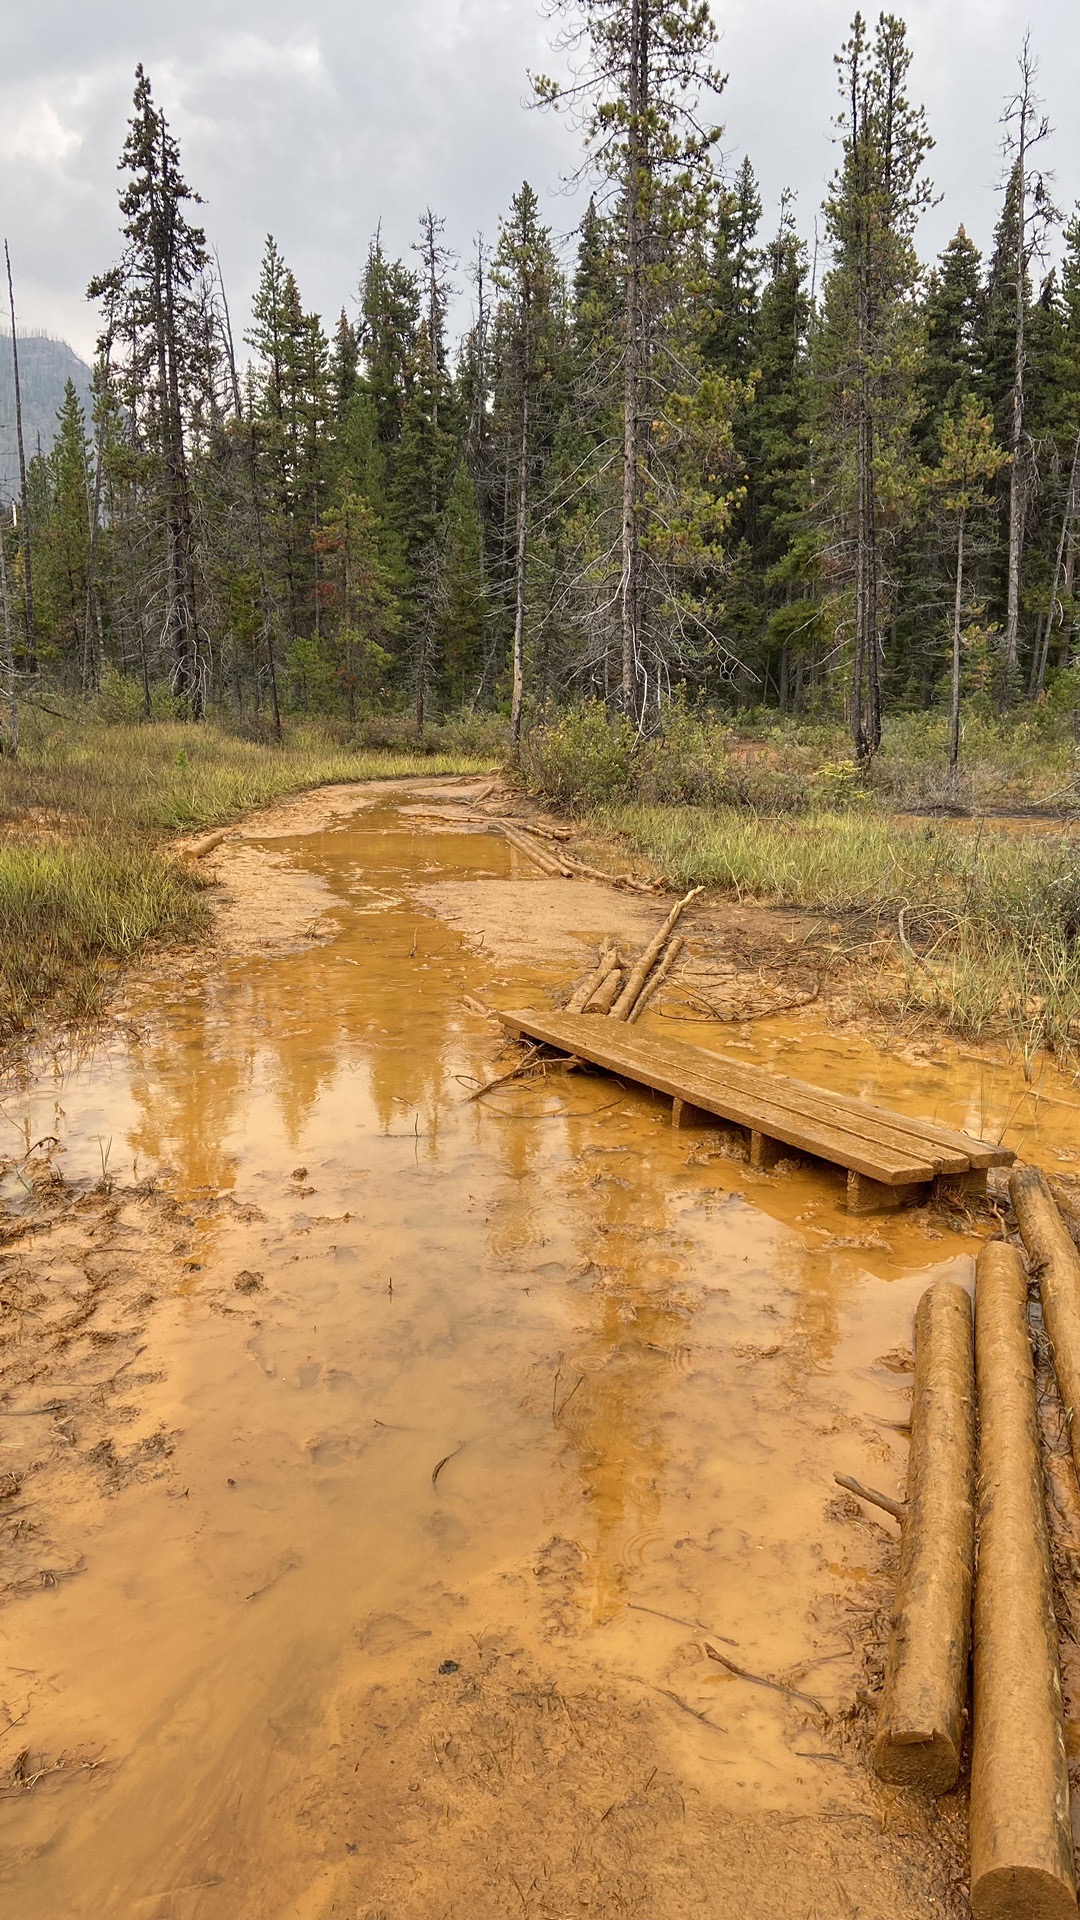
(489, 1418)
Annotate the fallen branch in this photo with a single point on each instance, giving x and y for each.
(1055, 1264)
(657, 978)
(199, 848)
(579, 999)
(606, 993)
(549, 832)
(895, 1507)
(501, 1079)
(639, 973)
(538, 855)
(762, 1680)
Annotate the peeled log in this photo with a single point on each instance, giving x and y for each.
(642, 967)
(579, 1000)
(1056, 1265)
(921, 1724)
(656, 978)
(600, 1001)
(1021, 1838)
(539, 856)
(200, 848)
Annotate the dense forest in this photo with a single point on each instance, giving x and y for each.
(678, 458)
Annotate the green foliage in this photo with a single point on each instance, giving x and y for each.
(70, 913)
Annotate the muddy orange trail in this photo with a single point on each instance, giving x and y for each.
(921, 1724)
(313, 1682)
(1021, 1838)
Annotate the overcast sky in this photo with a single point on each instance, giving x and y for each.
(315, 122)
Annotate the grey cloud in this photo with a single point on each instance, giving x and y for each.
(315, 123)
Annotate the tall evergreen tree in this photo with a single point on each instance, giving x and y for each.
(156, 300)
(644, 68)
(877, 195)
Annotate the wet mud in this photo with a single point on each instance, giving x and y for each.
(418, 1506)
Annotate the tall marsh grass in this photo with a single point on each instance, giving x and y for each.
(987, 921)
(173, 776)
(69, 914)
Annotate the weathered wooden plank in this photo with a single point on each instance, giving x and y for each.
(688, 1077)
(816, 1103)
(947, 1149)
(980, 1153)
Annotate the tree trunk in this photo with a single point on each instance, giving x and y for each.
(635, 352)
(24, 502)
(1016, 437)
(9, 656)
(1038, 665)
(94, 653)
(182, 612)
(521, 555)
(954, 707)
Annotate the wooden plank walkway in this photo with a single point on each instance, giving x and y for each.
(888, 1157)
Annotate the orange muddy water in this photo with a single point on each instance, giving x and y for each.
(493, 1430)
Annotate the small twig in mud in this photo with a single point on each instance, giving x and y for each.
(882, 1500)
(415, 938)
(762, 1680)
(21, 1780)
(440, 1464)
(523, 1064)
(695, 1626)
(556, 1417)
(626, 1803)
(677, 1700)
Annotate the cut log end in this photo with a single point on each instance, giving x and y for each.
(929, 1763)
(1022, 1893)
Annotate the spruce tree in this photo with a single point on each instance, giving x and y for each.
(877, 195)
(155, 299)
(644, 68)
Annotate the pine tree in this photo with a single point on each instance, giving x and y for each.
(527, 272)
(1025, 221)
(969, 460)
(156, 301)
(644, 70)
(953, 357)
(877, 195)
(734, 273)
(64, 542)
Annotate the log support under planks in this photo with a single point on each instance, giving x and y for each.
(921, 1723)
(1021, 1838)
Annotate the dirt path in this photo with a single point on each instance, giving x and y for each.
(379, 1468)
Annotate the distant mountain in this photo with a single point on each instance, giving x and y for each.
(45, 367)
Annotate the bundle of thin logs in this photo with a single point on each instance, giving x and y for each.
(558, 861)
(623, 992)
(990, 1489)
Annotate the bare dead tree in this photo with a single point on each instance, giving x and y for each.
(24, 500)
